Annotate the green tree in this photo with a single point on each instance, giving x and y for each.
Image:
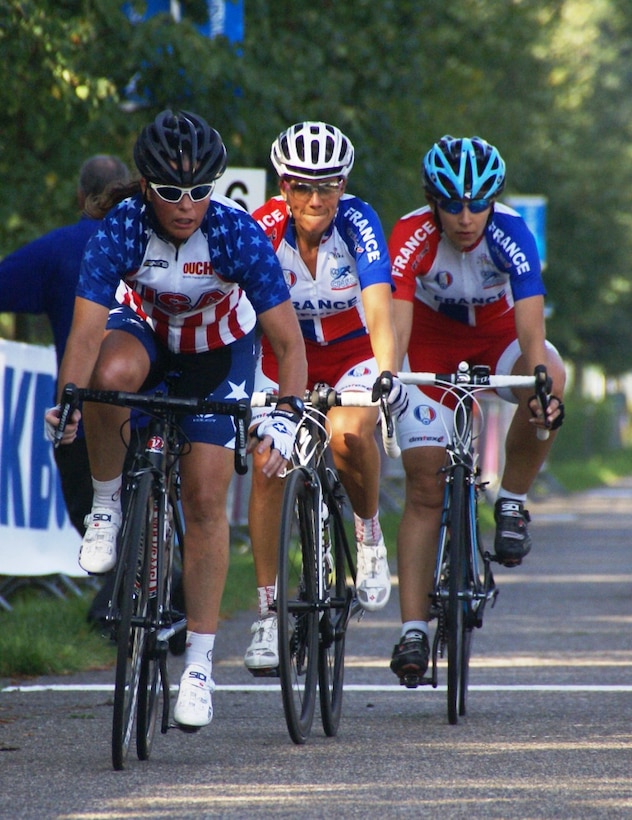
(547, 81)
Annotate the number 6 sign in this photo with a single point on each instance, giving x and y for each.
(246, 186)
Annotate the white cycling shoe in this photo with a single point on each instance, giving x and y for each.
(194, 707)
(98, 548)
(373, 578)
(263, 652)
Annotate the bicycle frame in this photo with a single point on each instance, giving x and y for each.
(157, 454)
(315, 591)
(140, 610)
(463, 580)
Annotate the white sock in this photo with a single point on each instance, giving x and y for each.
(367, 530)
(107, 493)
(417, 626)
(503, 493)
(266, 597)
(199, 650)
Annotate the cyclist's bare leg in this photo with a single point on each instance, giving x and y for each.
(205, 472)
(264, 519)
(123, 364)
(419, 530)
(525, 453)
(356, 456)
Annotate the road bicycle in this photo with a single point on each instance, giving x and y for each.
(463, 583)
(142, 615)
(315, 590)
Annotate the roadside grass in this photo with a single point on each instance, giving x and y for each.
(44, 635)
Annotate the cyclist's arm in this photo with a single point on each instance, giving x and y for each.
(531, 333)
(403, 318)
(378, 313)
(84, 342)
(79, 359)
(281, 327)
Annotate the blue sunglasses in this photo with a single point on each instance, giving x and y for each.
(455, 206)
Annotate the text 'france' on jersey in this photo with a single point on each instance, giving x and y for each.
(472, 286)
(352, 255)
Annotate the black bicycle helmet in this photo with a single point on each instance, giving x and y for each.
(463, 168)
(180, 149)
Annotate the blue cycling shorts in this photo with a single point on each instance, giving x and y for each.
(223, 374)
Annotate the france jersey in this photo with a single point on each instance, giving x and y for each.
(352, 255)
(474, 287)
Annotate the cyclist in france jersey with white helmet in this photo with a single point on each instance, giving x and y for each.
(200, 273)
(335, 260)
(468, 287)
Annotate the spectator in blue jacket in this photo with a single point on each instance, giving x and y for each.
(40, 278)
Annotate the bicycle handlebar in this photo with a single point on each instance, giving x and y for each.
(157, 403)
(324, 397)
(479, 377)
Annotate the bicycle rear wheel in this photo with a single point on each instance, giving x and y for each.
(297, 611)
(134, 610)
(333, 628)
(459, 631)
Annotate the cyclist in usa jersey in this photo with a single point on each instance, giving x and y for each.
(335, 260)
(200, 273)
(468, 287)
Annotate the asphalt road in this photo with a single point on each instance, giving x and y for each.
(547, 734)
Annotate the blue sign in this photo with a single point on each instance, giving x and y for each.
(225, 17)
(30, 492)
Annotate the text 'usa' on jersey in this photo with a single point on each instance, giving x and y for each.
(203, 294)
(502, 268)
(352, 255)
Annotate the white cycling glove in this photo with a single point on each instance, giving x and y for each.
(398, 394)
(49, 428)
(281, 426)
(398, 399)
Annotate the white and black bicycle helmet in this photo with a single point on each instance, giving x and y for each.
(312, 149)
(180, 149)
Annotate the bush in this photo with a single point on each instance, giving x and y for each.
(591, 428)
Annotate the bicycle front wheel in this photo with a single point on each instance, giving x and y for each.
(333, 627)
(459, 630)
(297, 605)
(152, 697)
(134, 610)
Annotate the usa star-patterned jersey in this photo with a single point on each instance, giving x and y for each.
(199, 296)
(474, 287)
(352, 255)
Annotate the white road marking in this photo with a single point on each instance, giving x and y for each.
(275, 687)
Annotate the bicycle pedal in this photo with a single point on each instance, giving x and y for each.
(188, 730)
(410, 681)
(270, 672)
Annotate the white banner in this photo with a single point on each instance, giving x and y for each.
(36, 536)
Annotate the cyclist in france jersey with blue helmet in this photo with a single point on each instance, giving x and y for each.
(468, 287)
(200, 272)
(334, 256)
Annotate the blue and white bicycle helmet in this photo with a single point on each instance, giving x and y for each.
(180, 149)
(467, 168)
(312, 149)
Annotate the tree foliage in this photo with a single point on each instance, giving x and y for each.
(547, 81)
